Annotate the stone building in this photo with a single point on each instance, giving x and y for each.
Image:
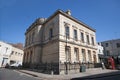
(60, 40)
(111, 47)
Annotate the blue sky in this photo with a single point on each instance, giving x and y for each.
(17, 15)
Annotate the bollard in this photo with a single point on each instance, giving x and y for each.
(52, 72)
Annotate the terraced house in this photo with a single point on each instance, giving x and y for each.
(61, 42)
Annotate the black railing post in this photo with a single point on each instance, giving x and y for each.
(66, 68)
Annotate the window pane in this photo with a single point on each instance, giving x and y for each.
(12, 52)
(92, 41)
(76, 54)
(67, 53)
(108, 53)
(82, 37)
(32, 37)
(83, 55)
(106, 44)
(88, 42)
(75, 34)
(67, 31)
(89, 55)
(118, 45)
(51, 33)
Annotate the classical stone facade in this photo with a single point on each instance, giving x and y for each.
(59, 39)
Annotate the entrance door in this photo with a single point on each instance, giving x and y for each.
(4, 62)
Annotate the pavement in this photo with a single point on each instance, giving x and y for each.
(89, 72)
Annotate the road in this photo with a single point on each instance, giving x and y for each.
(9, 74)
(104, 76)
(6, 74)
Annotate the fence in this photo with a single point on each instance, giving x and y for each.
(43, 67)
(57, 68)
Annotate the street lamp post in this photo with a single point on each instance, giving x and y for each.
(66, 55)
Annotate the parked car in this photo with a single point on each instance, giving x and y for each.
(15, 65)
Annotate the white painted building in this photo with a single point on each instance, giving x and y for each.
(5, 51)
(100, 50)
(16, 56)
(10, 54)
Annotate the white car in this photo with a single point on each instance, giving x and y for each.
(15, 65)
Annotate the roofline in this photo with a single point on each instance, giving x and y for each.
(66, 15)
(70, 17)
(110, 40)
(31, 26)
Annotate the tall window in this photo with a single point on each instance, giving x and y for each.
(15, 53)
(67, 53)
(88, 41)
(106, 44)
(89, 56)
(75, 34)
(108, 52)
(76, 54)
(94, 57)
(33, 37)
(67, 31)
(12, 52)
(50, 33)
(26, 41)
(99, 51)
(82, 36)
(92, 40)
(83, 55)
(30, 56)
(29, 39)
(6, 49)
(118, 45)
(27, 57)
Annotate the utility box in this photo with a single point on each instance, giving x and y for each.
(82, 68)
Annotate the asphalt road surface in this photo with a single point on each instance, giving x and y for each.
(9, 74)
(104, 76)
(6, 74)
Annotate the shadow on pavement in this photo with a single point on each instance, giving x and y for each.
(100, 76)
